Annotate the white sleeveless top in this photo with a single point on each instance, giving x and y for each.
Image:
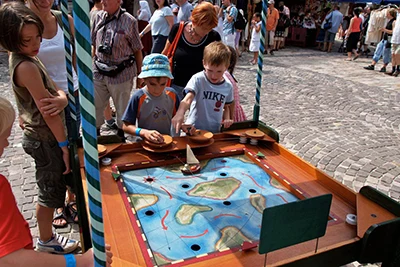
(52, 55)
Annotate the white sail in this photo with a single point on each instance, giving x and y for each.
(190, 158)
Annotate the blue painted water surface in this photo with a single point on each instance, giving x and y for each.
(176, 241)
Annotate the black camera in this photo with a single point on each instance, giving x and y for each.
(105, 49)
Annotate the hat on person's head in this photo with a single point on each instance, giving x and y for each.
(271, 2)
(155, 65)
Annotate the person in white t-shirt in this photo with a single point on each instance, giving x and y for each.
(185, 10)
(208, 94)
(160, 25)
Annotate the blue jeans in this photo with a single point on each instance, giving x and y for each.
(380, 51)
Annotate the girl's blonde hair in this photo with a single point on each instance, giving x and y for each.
(7, 115)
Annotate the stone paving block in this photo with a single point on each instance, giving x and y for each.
(28, 207)
(387, 178)
(13, 177)
(25, 200)
(29, 186)
(351, 172)
(32, 223)
(27, 215)
(376, 174)
(30, 193)
(18, 182)
(368, 168)
(362, 174)
(395, 195)
(372, 180)
(17, 161)
(64, 230)
(395, 172)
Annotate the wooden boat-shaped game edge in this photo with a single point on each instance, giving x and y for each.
(386, 210)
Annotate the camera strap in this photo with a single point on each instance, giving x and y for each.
(104, 23)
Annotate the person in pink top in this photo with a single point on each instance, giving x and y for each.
(236, 112)
(353, 35)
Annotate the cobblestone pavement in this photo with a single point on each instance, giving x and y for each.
(336, 115)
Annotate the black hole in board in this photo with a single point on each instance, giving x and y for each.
(222, 174)
(149, 212)
(195, 247)
(226, 203)
(223, 161)
(252, 191)
(185, 186)
(373, 215)
(150, 179)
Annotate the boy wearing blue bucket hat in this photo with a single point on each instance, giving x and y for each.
(153, 106)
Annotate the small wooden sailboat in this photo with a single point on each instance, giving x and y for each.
(192, 165)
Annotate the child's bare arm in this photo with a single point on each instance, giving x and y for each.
(231, 108)
(177, 120)
(54, 105)
(227, 117)
(27, 75)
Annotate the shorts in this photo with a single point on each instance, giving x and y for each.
(329, 37)
(286, 32)
(270, 36)
(396, 54)
(229, 40)
(49, 171)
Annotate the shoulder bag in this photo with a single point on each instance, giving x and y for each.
(172, 48)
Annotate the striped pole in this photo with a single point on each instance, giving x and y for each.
(68, 60)
(256, 111)
(86, 97)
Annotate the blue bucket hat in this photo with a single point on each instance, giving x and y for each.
(155, 65)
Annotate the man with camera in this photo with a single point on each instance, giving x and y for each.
(117, 59)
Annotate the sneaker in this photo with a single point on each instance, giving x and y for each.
(58, 244)
(370, 67)
(271, 53)
(383, 69)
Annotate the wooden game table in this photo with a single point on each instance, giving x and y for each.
(341, 244)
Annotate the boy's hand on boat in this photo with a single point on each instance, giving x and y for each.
(153, 136)
(189, 129)
(177, 122)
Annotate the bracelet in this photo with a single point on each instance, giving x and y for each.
(70, 260)
(137, 131)
(63, 144)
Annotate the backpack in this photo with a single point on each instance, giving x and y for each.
(240, 22)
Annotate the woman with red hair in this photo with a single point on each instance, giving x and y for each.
(196, 35)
